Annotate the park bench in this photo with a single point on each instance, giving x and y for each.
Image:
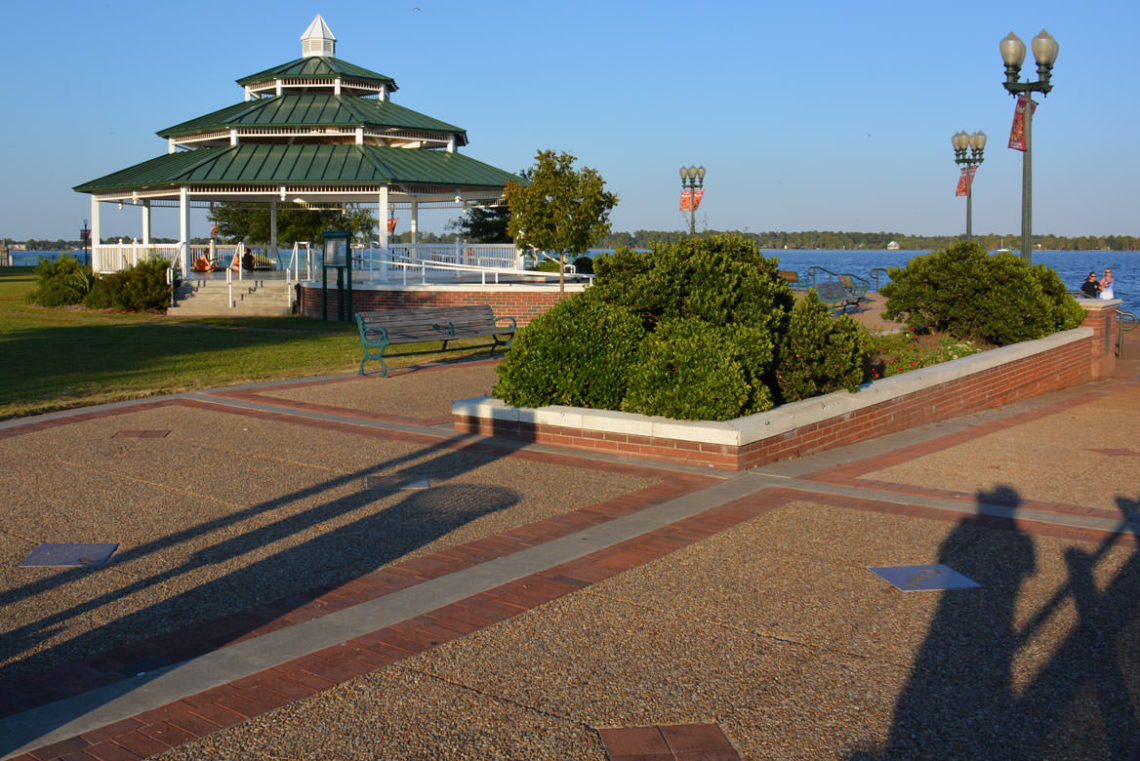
(833, 294)
(379, 330)
(792, 278)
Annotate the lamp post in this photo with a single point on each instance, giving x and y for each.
(692, 180)
(1045, 50)
(968, 151)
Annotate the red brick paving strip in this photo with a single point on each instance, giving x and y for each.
(678, 742)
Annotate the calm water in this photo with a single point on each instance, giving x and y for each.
(1072, 266)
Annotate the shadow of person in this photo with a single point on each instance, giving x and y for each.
(960, 693)
(359, 544)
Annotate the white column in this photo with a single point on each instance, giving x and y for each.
(273, 228)
(146, 222)
(233, 137)
(451, 143)
(184, 228)
(414, 222)
(382, 212)
(96, 258)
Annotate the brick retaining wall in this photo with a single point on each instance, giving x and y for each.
(974, 383)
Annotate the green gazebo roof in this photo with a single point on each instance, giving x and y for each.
(276, 164)
(317, 67)
(314, 110)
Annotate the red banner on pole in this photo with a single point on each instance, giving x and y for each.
(965, 181)
(697, 196)
(1017, 132)
(392, 224)
(686, 200)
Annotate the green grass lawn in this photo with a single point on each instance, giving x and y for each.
(59, 358)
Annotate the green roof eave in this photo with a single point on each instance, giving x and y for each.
(259, 165)
(317, 67)
(314, 110)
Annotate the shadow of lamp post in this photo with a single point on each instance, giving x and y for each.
(968, 153)
(1013, 54)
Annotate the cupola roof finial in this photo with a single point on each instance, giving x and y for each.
(318, 40)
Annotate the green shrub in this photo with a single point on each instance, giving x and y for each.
(546, 265)
(584, 265)
(61, 282)
(578, 354)
(688, 370)
(965, 292)
(820, 353)
(722, 280)
(140, 288)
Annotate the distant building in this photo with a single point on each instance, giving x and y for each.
(893, 245)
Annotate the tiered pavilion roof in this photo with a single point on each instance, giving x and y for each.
(318, 132)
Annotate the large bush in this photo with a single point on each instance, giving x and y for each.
(693, 370)
(578, 354)
(971, 295)
(820, 353)
(140, 288)
(60, 282)
(689, 331)
(723, 280)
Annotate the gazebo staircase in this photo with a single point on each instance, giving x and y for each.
(252, 297)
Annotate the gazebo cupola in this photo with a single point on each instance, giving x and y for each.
(318, 70)
(318, 40)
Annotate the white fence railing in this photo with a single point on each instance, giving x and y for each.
(118, 256)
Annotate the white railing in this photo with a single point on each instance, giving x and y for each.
(113, 257)
(495, 255)
(292, 270)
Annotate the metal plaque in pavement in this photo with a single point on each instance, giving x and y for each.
(924, 578)
(58, 555)
(395, 482)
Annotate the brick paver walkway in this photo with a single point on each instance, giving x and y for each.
(201, 688)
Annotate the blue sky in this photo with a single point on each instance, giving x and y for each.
(809, 115)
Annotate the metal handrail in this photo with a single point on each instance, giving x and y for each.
(875, 273)
(1126, 321)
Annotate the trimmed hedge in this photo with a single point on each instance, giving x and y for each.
(820, 353)
(690, 331)
(577, 353)
(690, 370)
(971, 295)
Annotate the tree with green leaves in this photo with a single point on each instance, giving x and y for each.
(562, 210)
(483, 224)
(252, 224)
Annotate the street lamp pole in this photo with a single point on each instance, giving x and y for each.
(692, 180)
(1045, 50)
(976, 143)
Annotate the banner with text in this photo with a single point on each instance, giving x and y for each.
(965, 180)
(691, 199)
(1017, 132)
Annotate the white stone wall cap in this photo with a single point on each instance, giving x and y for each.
(783, 419)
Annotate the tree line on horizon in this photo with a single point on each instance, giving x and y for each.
(481, 227)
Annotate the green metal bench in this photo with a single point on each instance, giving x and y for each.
(834, 295)
(379, 330)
